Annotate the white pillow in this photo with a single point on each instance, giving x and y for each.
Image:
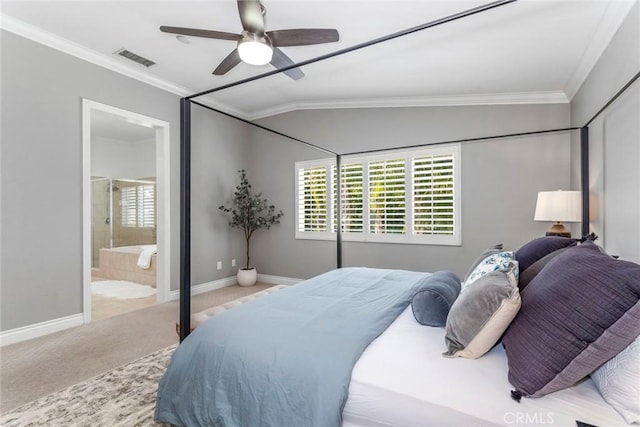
(495, 262)
(619, 382)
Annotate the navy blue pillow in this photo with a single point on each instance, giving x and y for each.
(537, 248)
(535, 268)
(431, 304)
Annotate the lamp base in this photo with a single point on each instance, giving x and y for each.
(558, 229)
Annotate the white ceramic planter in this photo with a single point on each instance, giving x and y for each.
(247, 277)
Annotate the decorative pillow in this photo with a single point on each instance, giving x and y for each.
(580, 311)
(619, 382)
(482, 313)
(431, 304)
(492, 250)
(535, 268)
(495, 262)
(537, 248)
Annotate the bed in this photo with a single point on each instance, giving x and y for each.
(400, 378)
(223, 374)
(418, 387)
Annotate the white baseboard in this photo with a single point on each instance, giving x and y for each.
(230, 281)
(24, 333)
(206, 287)
(278, 280)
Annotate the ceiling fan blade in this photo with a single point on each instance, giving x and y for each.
(251, 16)
(200, 33)
(228, 63)
(303, 36)
(280, 60)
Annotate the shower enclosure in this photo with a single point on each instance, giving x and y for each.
(123, 213)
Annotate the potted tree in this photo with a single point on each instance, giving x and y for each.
(249, 212)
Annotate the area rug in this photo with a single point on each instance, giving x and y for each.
(121, 289)
(124, 396)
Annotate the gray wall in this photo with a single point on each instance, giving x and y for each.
(500, 179)
(219, 150)
(614, 147)
(41, 177)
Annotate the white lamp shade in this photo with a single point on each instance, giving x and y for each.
(559, 206)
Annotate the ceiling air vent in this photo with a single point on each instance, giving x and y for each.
(135, 58)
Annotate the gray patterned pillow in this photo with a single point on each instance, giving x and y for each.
(495, 262)
(489, 251)
(580, 311)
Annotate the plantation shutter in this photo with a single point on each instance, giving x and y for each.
(138, 206)
(387, 197)
(312, 199)
(128, 206)
(146, 206)
(352, 198)
(433, 195)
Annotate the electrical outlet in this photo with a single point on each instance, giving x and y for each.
(233, 263)
(219, 265)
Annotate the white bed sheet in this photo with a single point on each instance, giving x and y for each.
(402, 380)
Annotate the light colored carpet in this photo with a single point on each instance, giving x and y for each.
(38, 367)
(124, 396)
(121, 289)
(102, 307)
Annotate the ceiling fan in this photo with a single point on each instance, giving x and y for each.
(257, 46)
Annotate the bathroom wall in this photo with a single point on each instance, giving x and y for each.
(123, 159)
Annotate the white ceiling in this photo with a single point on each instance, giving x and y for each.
(526, 51)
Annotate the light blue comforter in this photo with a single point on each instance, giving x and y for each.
(285, 359)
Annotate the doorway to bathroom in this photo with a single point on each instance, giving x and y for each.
(125, 211)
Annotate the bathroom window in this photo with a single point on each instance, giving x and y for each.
(139, 206)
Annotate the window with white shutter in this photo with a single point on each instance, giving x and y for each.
(387, 210)
(129, 207)
(138, 206)
(311, 200)
(352, 198)
(146, 205)
(394, 197)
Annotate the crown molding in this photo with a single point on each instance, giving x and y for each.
(612, 19)
(61, 44)
(550, 97)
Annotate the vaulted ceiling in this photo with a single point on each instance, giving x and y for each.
(525, 51)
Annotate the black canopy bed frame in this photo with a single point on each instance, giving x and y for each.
(185, 151)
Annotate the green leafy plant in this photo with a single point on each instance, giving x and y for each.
(250, 212)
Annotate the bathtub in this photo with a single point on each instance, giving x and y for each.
(121, 263)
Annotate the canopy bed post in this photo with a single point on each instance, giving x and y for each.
(185, 218)
(584, 177)
(338, 212)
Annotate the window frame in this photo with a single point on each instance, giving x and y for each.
(366, 236)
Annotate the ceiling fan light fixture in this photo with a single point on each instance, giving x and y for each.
(254, 49)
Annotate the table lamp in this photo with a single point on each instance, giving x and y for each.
(559, 206)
